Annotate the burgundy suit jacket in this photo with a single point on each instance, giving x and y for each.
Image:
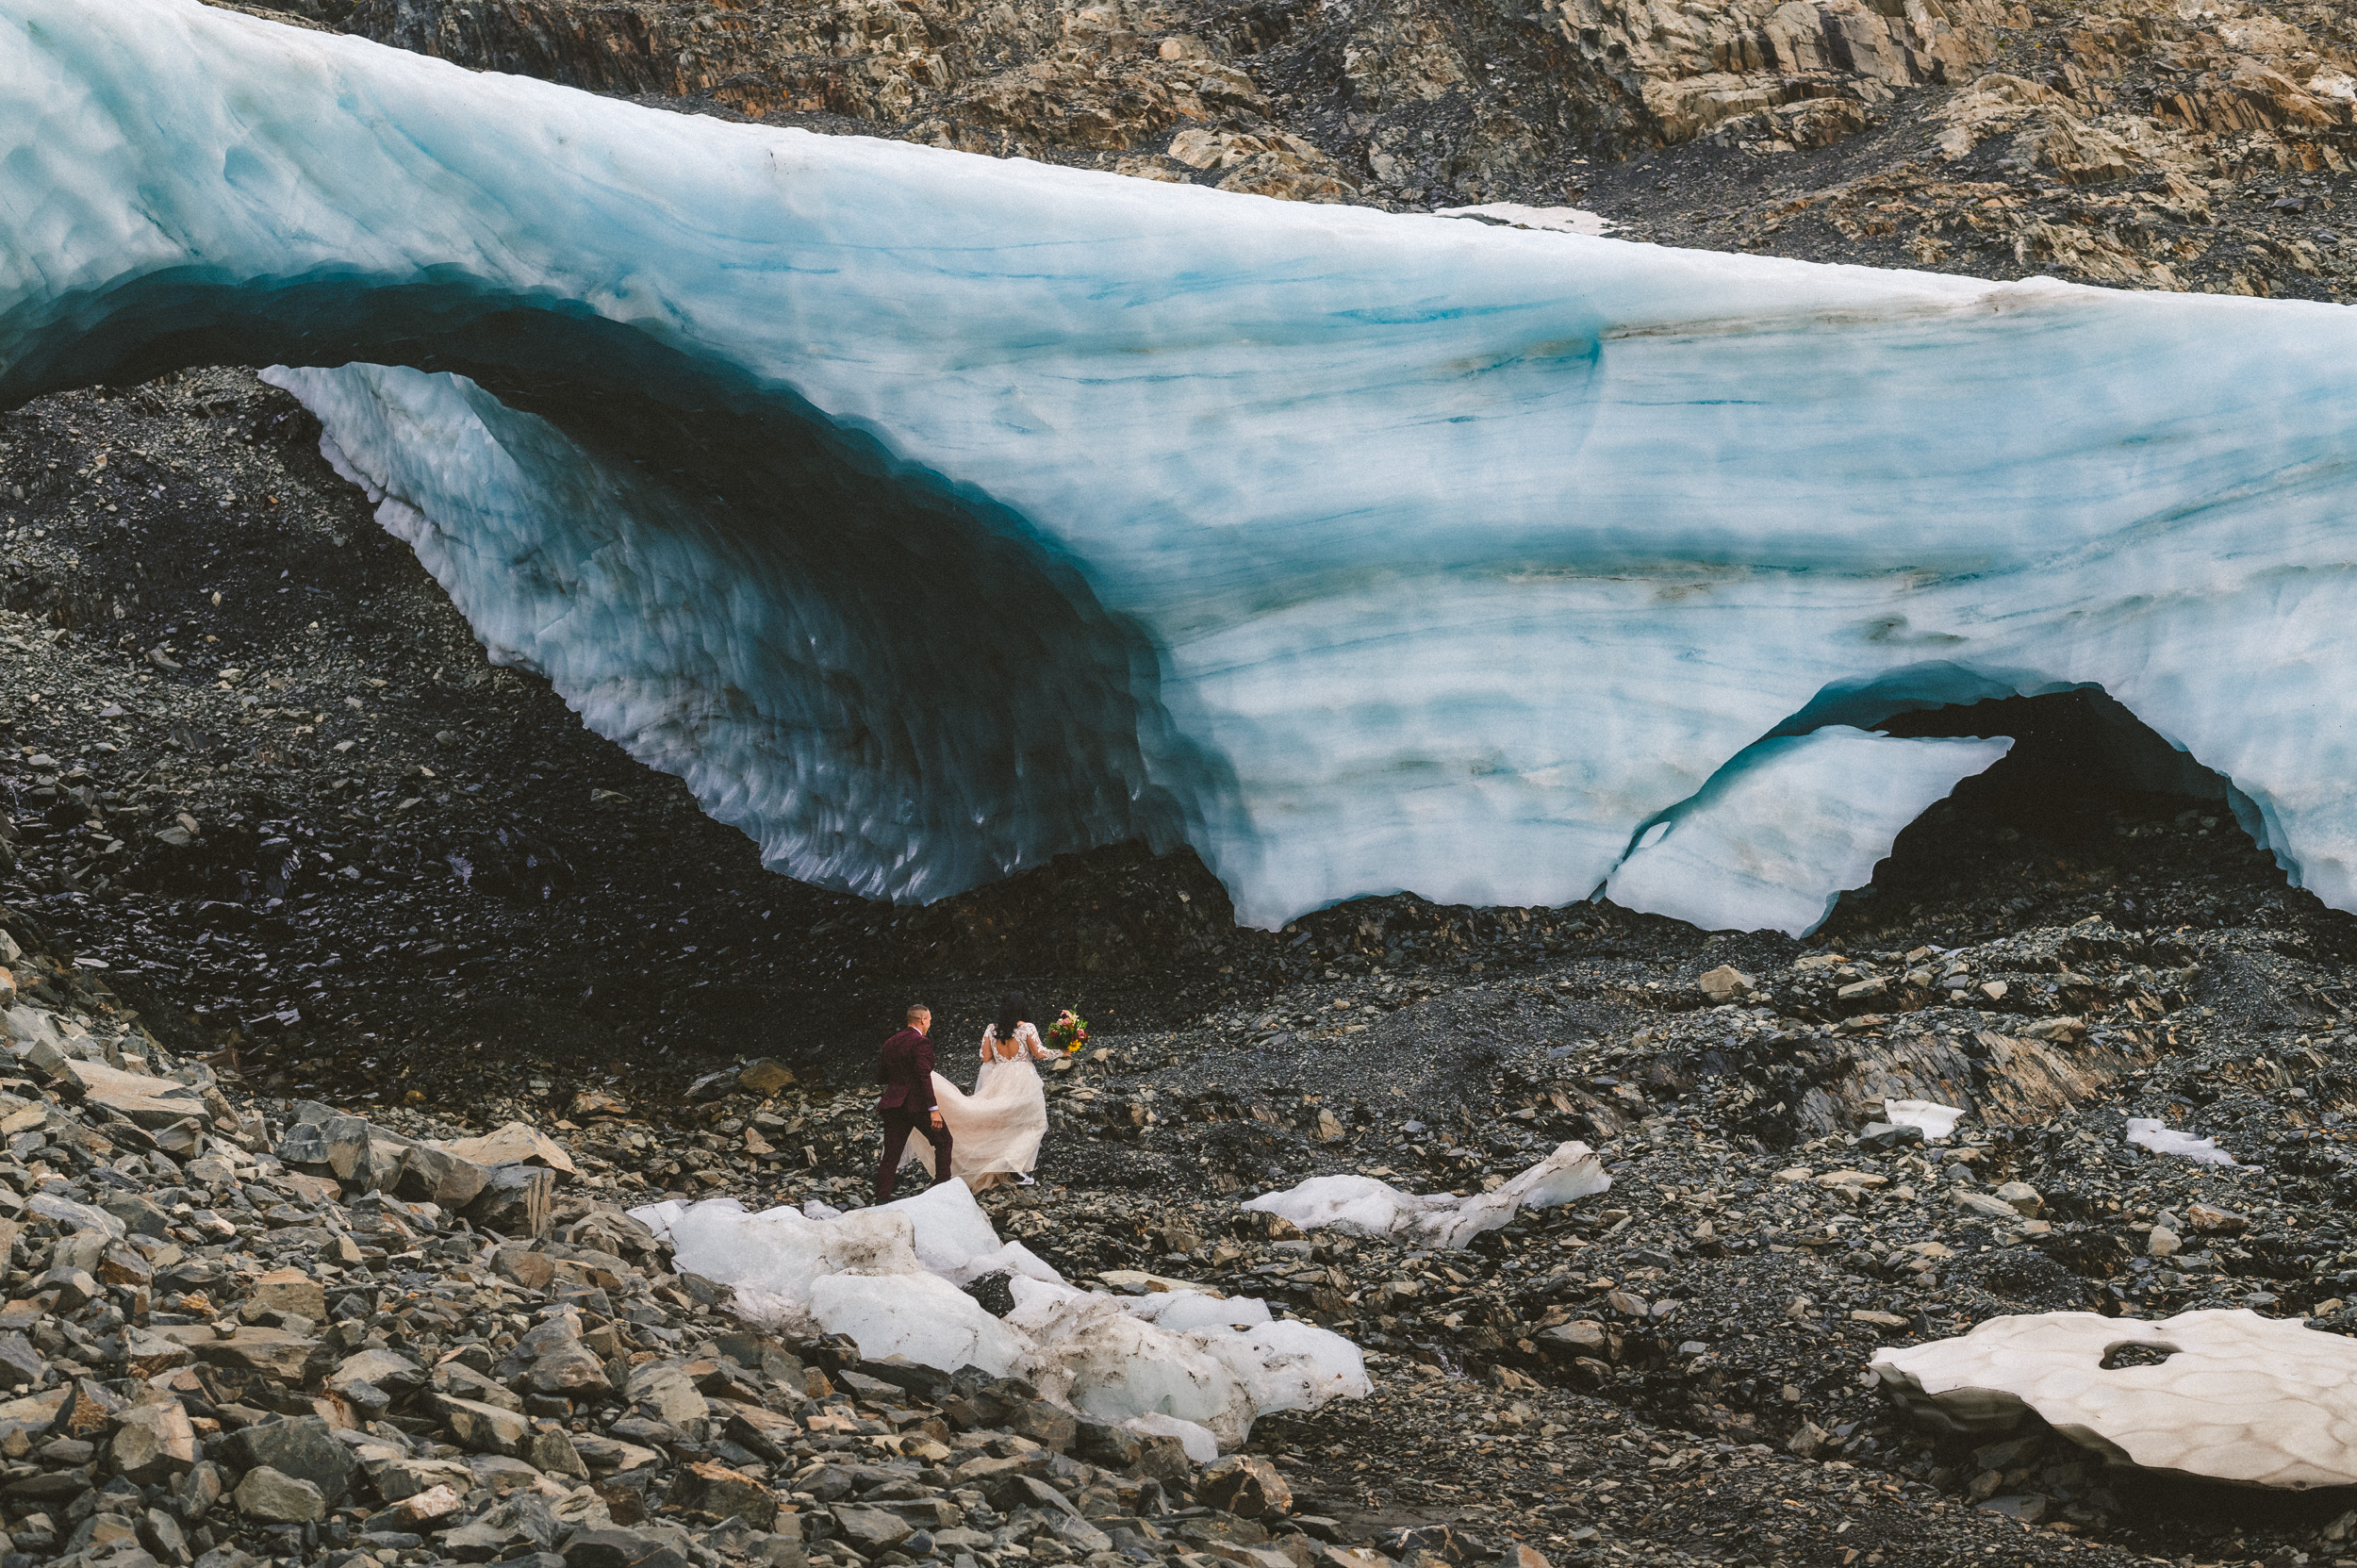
(906, 1071)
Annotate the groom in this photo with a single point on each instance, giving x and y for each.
(906, 1105)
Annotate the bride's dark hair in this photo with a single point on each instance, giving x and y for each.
(1014, 1008)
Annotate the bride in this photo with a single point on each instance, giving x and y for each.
(995, 1130)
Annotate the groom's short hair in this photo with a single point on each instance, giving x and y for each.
(919, 1010)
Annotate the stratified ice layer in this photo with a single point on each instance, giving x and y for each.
(935, 514)
(1786, 827)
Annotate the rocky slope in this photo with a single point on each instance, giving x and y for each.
(242, 1326)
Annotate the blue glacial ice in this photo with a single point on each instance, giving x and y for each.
(1785, 829)
(934, 515)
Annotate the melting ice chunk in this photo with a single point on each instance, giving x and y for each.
(2147, 1132)
(889, 1277)
(1363, 1206)
(1936, 1121)
(1781, 831)
(2229, 1396)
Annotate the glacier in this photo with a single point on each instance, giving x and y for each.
(934, 515)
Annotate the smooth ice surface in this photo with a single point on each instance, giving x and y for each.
(2149, 1132)
(1180, 1310)
(1791, 824)
(888, 1276)
(933, 514)
(1936, 1122)
(1363, 1206)
(2254, 1400)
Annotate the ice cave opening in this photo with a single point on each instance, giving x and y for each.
(933, 516)
(2078, 758)
(889, 680)
(2082, 775)
(1879, 784)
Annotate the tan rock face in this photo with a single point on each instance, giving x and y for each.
(2228, 1395)
(999, 77)
(1787, 71)
(290, 1290)
(514, 1142)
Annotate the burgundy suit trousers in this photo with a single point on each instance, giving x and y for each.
(899, 1122)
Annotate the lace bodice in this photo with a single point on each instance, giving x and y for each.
(1026, 1043)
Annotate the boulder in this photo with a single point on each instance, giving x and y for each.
(396, 1478)
(1246, 1485)
(148, 1355)
(567, 1369)
(301, 1446)
(525, 1266)
(275, 1499)
(549, 1448)
(153, 1443)
(290, 1290)
(614, 1548)
(513, 1143)
(764, 1077)
(485, 1428)
(149, 1102)
(763, 1432)
(515, 1201)
(418, 1511)
(664, 1391)
(516, 1527)
(870, 1530)
(19, 1364)
(437, 1176)
(280, 1356)
(395, 1373)
(716, 1491)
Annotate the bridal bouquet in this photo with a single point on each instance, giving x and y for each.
(1069, 1033)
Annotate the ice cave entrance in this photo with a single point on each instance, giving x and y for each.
(2078, 758)
(1818, 810)
(2082, 769)
(890, 681)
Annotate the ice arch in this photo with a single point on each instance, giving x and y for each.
(1812, 808)
(1392, 551)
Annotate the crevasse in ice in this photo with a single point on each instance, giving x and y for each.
(934, 515)
(1183, 1364)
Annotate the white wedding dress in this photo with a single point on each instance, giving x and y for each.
(995, 1131)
